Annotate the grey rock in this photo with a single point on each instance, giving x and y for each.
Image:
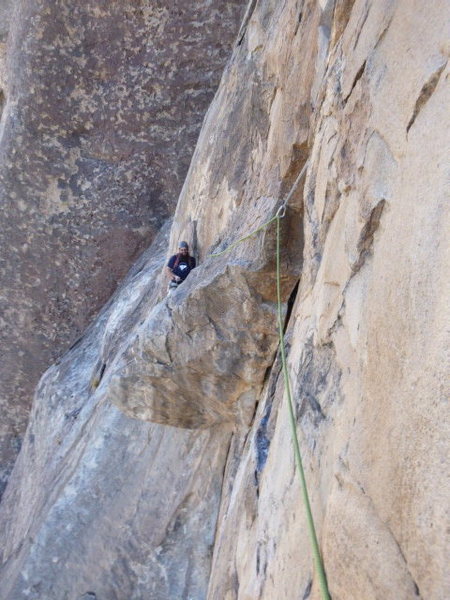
(199, 357)
(6, 9)
(102, 105)
(108, 516)
(129, 509)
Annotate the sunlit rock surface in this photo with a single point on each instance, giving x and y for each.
(101, 107)
(367, 333)
(114, 507)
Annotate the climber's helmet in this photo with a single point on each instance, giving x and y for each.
(183, 247)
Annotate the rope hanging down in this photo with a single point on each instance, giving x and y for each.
(298, 457)
(281, 212)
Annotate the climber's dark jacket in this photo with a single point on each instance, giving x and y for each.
(181, 265)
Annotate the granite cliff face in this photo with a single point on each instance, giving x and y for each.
(197, 495)
(102, 105)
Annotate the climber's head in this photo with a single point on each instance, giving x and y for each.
(183, 248)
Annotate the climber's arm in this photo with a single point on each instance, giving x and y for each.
(169, 269)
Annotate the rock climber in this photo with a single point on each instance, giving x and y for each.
(180, 265)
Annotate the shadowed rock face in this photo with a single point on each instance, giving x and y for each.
(130, 531)
(102, 103)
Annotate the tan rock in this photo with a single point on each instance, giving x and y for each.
(362, 89)
(368, 382)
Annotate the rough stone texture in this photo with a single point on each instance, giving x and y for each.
(362, 89)
(367, 334)
(100, 117)
(199, 357)
(92, 525)
(6, 7)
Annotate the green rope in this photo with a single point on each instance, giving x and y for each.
(280, 214)
(298, 457)
(263, 226)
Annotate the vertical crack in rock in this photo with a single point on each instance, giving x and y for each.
(341, 16)
(364, 244)
(384, 524)
(299, 20)
(225, 480)
(358, 76)
(262, 436)
(290, 305)
(363, 21)
(245, 21)
(399, 548)
(385, 29)
(425, 94)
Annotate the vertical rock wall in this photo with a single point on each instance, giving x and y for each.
(109, 506)
(5, 17)
(102, 504)
(102, 104)
(366, 339)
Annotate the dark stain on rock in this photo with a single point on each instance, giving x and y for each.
(307, 592)
(73, 414)
(263, 435)
(358, 76)
(317, 409)
(262, 440)
(257, 559)
(365, 241)
(318, 382)
(261, 560)
(425, 94)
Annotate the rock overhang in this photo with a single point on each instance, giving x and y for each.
(199, 356)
